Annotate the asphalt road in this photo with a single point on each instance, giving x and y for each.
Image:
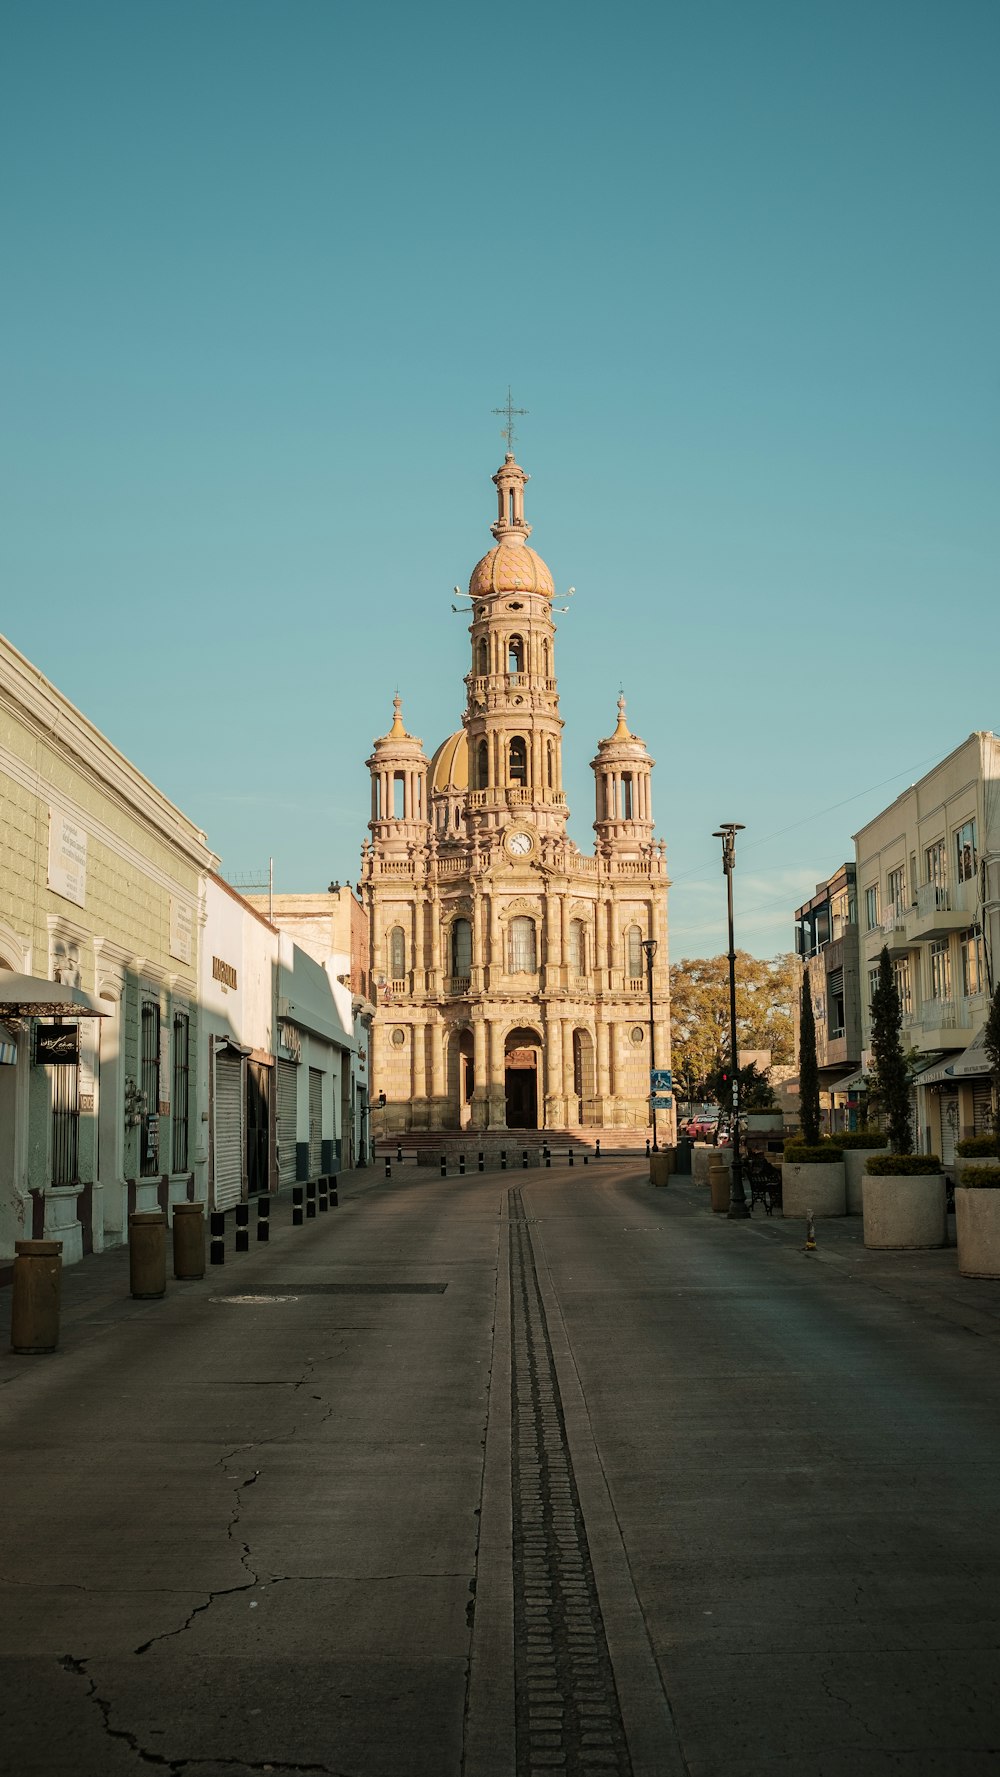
(504, 1476)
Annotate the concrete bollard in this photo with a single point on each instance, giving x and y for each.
(147, 1254)
(311, 1200)
(216, 1238)
(297, 1215)
(243, 1227)
(34, 1308)
(189, 1240)
(322, 1195)
(264, 1218)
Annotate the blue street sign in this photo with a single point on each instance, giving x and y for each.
(660, 1079)
(661, 1101)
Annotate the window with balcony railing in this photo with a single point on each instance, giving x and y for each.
(966, 856)
(973, 962)
(940, 969)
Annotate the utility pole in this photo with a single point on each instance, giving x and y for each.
(649, 946)
(727, 832)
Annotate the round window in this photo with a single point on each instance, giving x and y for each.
(398, 1038)
(638, 1034)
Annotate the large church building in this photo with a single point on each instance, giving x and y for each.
(510, 966)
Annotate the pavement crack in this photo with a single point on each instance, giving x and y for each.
(223, 1591)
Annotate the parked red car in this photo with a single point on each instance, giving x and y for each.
(699, 1128)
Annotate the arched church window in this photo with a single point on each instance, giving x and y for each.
(523, 948)
(461, 948)
(397, 953)
(482, 765)
(515, 654)
(634, 953)
(483, 657)
(458, 815)
(578, 946)
(626, 795)
(545, 658)
(398, 796)
(518, 760)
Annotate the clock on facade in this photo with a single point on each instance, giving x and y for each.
(518, 844)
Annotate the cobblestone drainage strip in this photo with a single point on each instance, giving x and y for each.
(567, 1710)
(290, 1292)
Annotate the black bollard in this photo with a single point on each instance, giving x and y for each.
(524, 1157)
(310, 1199)
(503, 1159)
(461, 1165)
(586, 1159)
(482, 1164)
(444, 1166)
(321, 1198)
(243, 1227)
(399, 1152)
(263, 1218)
(296, 1206)
(597, 1150)
(217, 1238)
(334, 1199)
(571, 1156)
(647, 1147)
(548, 1155)
(388, 1168)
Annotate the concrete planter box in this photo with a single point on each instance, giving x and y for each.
(702, 1158)
(977, 1160)
(810, 1187)
(855, 1161)
(977, 1223)
(907, 1211)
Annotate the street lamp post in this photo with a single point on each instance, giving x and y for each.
(737, 1201)
(649, 946)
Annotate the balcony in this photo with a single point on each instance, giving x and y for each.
(895, 933)
(941, 909)
(456, 984)
(944, 1024)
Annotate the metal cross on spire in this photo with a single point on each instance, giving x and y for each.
(510, 410)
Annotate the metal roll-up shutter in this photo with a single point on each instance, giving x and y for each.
(288, 1094)
(949, 1124)
(982, 1108)
(228, 1144)
(315, 1122)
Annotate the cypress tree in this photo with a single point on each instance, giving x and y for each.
(891, 1076)
(808, 1069)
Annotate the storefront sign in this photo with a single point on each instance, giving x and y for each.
(181, 930)
(57, 1045)
(224, 973)
(289, 1042)
(67, 858)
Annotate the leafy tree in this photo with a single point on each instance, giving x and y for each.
(991, 1043)
(891, 1081)
(756, 1093)
(699, 1011)
(808, 1067)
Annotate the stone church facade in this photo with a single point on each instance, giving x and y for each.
(509, 965)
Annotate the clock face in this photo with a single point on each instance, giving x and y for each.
(518, 844)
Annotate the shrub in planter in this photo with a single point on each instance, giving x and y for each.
(812, 1180)
(857, 1145)
(903, 1197)
(977, 1220)
(977, 1147)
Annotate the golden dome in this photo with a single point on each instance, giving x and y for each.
(450, 764)
(511, 567)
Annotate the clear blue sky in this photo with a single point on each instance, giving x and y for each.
(267, 269)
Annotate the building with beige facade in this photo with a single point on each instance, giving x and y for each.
(928, 879)
(509, 965)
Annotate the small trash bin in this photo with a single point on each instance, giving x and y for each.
(35, 1297)
(189, 1240)
(683, 1162)
(147, 1253)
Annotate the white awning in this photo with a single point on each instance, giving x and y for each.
(972, 1064)
(851, 1083)
(30, 996)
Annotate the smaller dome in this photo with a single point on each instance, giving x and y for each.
(511, 567)
(450, 764)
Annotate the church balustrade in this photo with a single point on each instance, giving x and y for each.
(457, 984)
(455, 866)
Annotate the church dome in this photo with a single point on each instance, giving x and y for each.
(511, 567)
(450, 764)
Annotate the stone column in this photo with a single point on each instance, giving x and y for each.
(569, 1090)
(419, 1113)
(555, 1104)
(439, 1093)
(603, 1064)
(481, 1088)
(497, 1110)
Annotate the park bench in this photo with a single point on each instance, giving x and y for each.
(764, 1181)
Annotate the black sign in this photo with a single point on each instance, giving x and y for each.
(58, 1045)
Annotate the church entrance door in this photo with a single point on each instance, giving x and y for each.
(521, 1052)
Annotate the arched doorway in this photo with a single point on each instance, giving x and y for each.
(522, 1049)
(461, 1079)
(584, 1084)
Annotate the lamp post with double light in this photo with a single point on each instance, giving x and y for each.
(649, 946)
(727, 832)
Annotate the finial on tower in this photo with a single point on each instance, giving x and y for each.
(510, 410)
(622, 732)
(397, 731)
